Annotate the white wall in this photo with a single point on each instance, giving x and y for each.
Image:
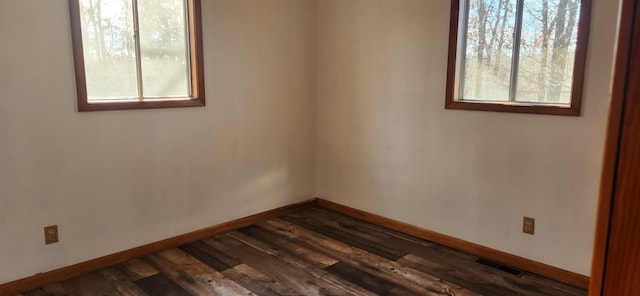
(387, 145)
(116, 180)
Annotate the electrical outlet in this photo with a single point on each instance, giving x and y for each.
(529, 225)
(51, 234)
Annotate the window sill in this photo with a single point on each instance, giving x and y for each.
(514, 108)
(110, 106)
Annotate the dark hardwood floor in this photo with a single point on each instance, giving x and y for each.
(311, 252)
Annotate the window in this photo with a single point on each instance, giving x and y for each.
(136, 54)
(522, 56)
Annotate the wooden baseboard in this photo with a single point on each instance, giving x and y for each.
(545, 270)
(64, 273)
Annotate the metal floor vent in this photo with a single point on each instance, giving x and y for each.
(498, 266)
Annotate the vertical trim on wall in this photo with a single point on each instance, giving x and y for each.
(622, 261)
(612, 145)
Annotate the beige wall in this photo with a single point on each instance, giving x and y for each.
(116, 180)
(387, 145)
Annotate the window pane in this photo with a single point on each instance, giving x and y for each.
(109, 50)
(163, 47)
(549, 34)
(489, 50)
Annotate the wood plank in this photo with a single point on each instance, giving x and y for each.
(36, 292)
(409, 278)
(257, 282)
(484, 281)
(335, 220)
(50, 290)
(193, 275)
(283, 229)
(389, 237)
(137, 269)
(289, 256)
(121, 282)
(460, 277)
(298, 279)
(160, 285)
(54, 289)
(367, 281)
(243, 274)
(339, 235)
(297, 251)
(385, 236)
(216, 259)
(541, 281)
(456, 267)
(384, 233)
(90, 284)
